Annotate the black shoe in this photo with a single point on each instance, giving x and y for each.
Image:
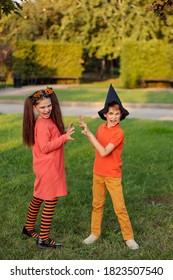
(30, 233)
(47, 244)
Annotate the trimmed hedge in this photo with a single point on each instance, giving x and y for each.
(47, 59)
(146, 59)
(23, 59)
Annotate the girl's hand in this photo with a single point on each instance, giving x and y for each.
(69, 131)
(69, 126)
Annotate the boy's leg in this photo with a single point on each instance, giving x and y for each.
(99, 195)
(114, 187)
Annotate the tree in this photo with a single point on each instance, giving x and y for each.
(161, 7)
(6, 8)
(100, 26)
(9, 6)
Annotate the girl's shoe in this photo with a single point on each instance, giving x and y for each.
(90, 239)
(132, 244)
(47, 244)
(30, 233)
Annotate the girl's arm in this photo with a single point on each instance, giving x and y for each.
(103, 151)
(47, 145)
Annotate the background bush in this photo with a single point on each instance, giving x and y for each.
(47, 59)
(146, 59)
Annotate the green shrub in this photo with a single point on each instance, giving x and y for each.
(145, 59)
(47, 59)
(23, 58)
(58, 59)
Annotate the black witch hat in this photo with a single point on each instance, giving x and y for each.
(113, 97)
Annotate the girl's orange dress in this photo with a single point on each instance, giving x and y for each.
(48, 160)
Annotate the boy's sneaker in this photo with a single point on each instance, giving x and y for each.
(132, 244)
(90, 239)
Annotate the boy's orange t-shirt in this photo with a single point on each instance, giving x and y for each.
(111, 164)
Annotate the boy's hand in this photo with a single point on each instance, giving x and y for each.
(82, 124)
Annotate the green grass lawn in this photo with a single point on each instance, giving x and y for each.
(148, 191)
(97, 93)
(91, 94)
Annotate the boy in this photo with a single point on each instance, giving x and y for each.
(107, 172)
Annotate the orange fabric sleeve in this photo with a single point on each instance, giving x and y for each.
(45, 143)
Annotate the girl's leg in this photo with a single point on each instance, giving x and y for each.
(46, 219)
(33, 210)
(114, 187)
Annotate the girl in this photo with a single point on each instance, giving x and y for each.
(43, 130)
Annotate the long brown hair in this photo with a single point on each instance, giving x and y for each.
(56, 114)
(29, 117)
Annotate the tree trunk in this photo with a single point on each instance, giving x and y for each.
(102, 72)
(111, 67)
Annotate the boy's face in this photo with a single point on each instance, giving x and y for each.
(113, 116)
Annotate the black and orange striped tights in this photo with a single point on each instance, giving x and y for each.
(46, 217)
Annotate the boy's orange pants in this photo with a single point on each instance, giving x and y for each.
(114, 187)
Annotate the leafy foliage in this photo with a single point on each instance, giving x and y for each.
(42, 58)
(9, 6)
(161, 7)
(99, 26)
(153, 61)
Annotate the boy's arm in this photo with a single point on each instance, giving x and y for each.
(103, 151)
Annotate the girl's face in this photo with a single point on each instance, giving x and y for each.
(44, 108)
(113, 116)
